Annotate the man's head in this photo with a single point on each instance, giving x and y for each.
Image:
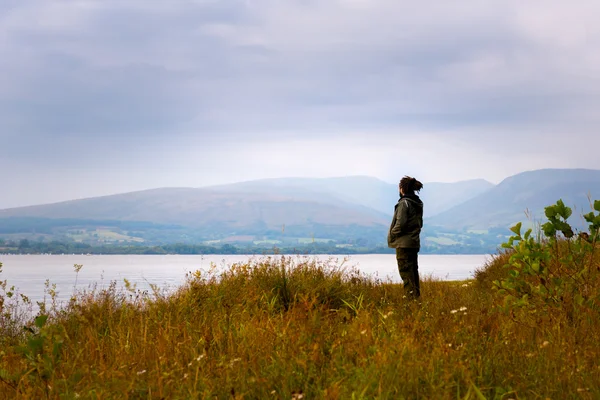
(409, 185)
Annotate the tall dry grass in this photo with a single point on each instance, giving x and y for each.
(286, 328)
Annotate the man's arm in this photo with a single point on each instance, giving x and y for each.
(401, 218)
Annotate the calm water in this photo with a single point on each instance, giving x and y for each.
(29, 273)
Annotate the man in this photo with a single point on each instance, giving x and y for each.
(404, 234)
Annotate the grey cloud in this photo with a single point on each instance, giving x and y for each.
(260, 66)
(82, 81)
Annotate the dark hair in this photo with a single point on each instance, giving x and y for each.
(410, 185)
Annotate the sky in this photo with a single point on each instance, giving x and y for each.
(107, 96)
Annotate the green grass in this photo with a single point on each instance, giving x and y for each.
(443, 241)
(267, 241)
(313, 240)
(282, 328)
(103, 235)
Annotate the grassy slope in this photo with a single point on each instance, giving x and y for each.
(255, 332)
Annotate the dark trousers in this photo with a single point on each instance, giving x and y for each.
(409, 271)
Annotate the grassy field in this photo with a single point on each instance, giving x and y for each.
(444, 241)
(103, 235)
(313, 240)
(282, 330)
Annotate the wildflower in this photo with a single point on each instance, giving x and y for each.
(363, 332)
(465, 285)
(141, 372)
(200, 357)
(453, 311)
(462, 309)
(546, 343)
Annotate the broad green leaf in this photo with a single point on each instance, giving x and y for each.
(549, 229)
(40, 321)
(597, 205)
(589, 217)
(567, 212)
(550, 212)
(567, 231)
(517, 229)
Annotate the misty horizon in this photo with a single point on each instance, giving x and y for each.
(104, 97)
(282, 179)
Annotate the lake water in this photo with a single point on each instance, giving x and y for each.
(30, 272)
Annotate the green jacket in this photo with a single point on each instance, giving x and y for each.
(407, 223)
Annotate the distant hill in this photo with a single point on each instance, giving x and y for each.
(348, 208)
(198, 207)
(365, 191)
(507, 203)
(439, 197)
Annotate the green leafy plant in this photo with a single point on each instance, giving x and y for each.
(42, 349)
(554, 270)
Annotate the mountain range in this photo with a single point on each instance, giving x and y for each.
(274, 210)
(524, 196)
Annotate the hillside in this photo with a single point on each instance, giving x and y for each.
(198, 207)
(295, 201)
(439, 197)
(365, 191)
(507, 203)
(266, 212)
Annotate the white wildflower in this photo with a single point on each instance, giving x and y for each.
(141, 372)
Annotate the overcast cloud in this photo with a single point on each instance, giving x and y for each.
(106, 96)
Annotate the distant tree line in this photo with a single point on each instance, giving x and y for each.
(25, 246)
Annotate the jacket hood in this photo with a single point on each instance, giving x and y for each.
(413, 198)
